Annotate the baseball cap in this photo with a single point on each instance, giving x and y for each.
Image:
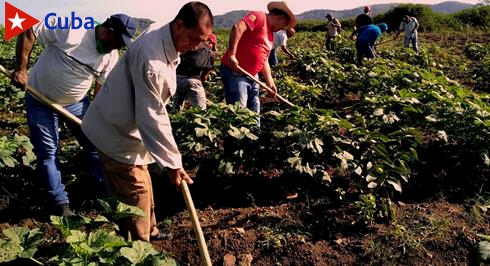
(123, 24)
(383, 27)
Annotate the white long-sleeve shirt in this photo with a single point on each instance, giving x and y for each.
(409, 26)
(69, 63)
(128, 120)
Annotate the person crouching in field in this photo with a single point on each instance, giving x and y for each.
(366, 39)
(193, 70)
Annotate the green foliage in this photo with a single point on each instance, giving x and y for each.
(20, 242)
(100, 246)
(271, 238)
(7, 51)
(481, 74)
(476, 51)
(118, 210)
(311, 25)
(92, 241)
(478, 17)
(14, 149)
(143, 253)
(366, 208)
(480, 208)
(480, 254)
(424, 14)
(12, 99)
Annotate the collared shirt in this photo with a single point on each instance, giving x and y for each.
(128, 120)
(409, 26)
(254, 45)
(69, 63)
(280, 38)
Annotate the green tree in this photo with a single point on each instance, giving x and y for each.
(426, 17)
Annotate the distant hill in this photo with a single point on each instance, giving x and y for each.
(227, 20)
(449, 7)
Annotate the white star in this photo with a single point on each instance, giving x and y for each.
(16, 22)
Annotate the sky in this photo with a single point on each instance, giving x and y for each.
(165, 10)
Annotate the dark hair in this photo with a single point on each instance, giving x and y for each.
(279, 12)
(192, 12)
(363, 20)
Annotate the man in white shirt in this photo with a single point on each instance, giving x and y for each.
(409, 25)
(333, 30)
(128, 121)
(71, 61)
(280, 41)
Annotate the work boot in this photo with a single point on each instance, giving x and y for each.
(65, 210)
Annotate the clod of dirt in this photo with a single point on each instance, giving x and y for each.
(229, 260)
(245, 259)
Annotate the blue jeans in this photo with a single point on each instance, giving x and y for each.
(44, 134)
(273, 61)
(364, 49)
(239, 88)
(414, 38)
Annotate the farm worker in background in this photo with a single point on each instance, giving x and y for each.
(409, 25)
(128, 121)
(250, 43)
(367, 10)
(280, 41)
(333, 30)
(72, 59)
(193, 71)
(362, 20)
(366, 40)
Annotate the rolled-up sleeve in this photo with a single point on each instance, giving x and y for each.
(151, 91)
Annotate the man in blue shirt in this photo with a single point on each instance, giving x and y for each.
(366, 40)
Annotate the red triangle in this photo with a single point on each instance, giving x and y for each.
(11, 12)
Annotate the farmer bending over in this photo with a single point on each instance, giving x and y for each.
(366, 40)
(194, 69)
(280, 41)
(128, 121)
(72, 59)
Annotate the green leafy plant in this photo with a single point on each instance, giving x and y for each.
(20, 242)
(13, 149)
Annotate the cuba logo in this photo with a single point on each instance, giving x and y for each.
(64, 23)
(18, 21)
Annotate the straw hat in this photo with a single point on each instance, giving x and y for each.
(284, 7)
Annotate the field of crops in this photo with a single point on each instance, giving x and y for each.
(384, 163)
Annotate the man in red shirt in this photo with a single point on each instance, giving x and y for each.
(251, 40)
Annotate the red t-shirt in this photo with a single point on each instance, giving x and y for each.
(254, 45)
